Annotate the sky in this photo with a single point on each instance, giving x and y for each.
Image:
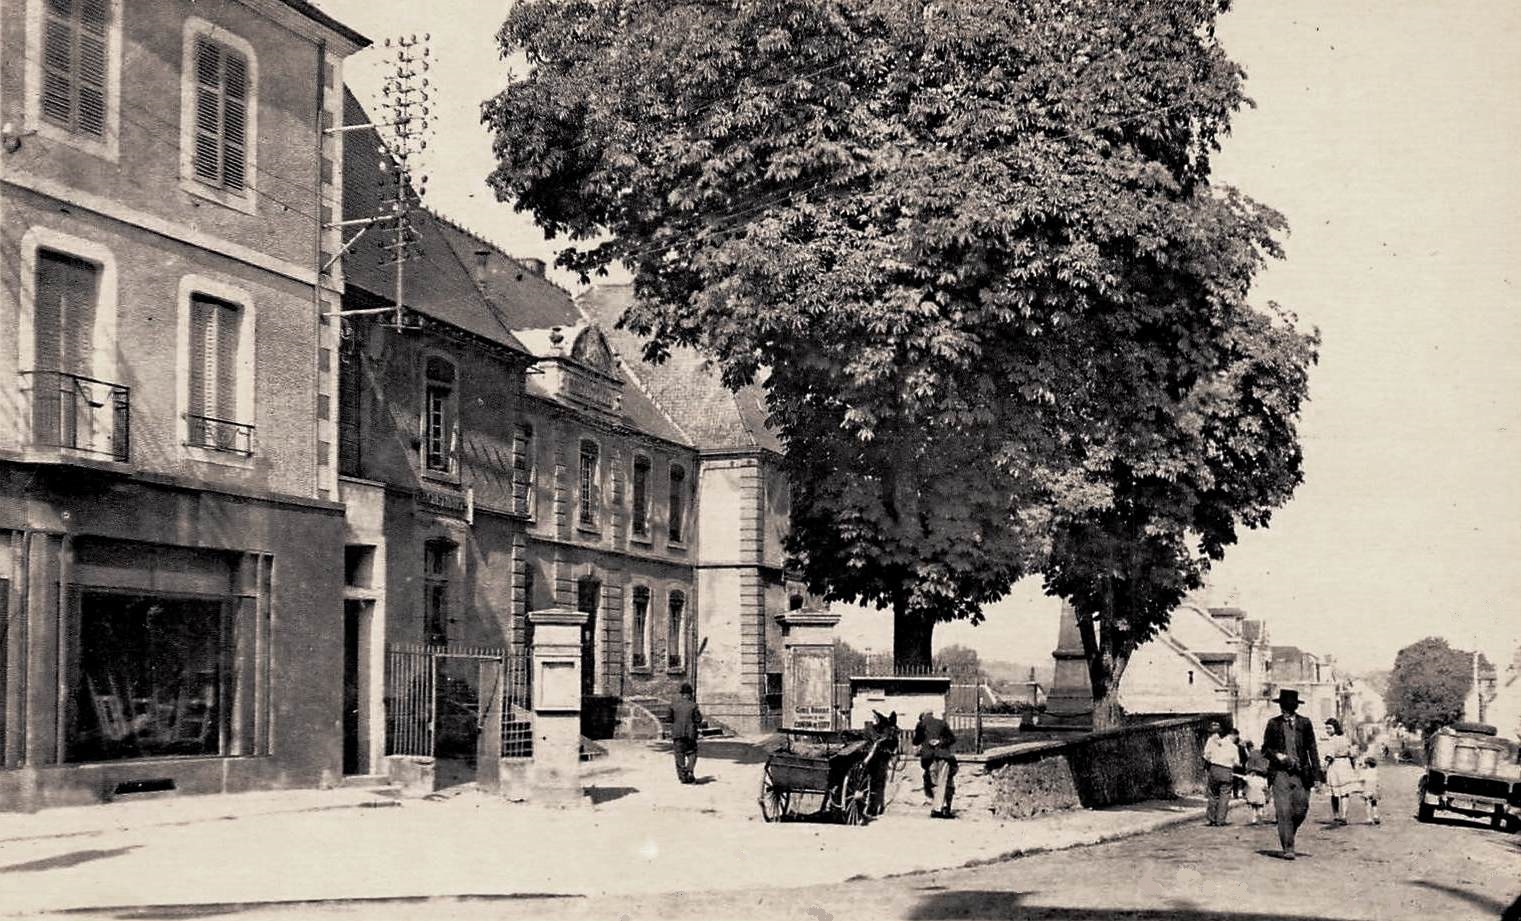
(1389, 134)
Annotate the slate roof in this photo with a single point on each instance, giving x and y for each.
(437, 284)
(684, 385)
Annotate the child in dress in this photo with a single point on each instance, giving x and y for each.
(1369, 777)
(1256, 785)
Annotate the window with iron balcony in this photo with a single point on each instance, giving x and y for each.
(211, 420)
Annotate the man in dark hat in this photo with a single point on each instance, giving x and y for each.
(685, 719)
(1293, 767)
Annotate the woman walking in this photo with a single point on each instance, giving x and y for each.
(1341, 770)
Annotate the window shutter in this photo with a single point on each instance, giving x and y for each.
(91, 73)
(48, 314)
(234, 121)
(201, 357)
(208, 114)
(57, 65)
(227, 362)
(64, 321)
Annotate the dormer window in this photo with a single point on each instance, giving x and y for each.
(440, 415)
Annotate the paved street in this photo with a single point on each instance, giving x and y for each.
(1401, 869)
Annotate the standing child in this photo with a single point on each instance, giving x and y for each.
(1256, 784)
(1369, 776)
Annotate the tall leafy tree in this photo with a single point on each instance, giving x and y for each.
(972, 252)
(1429, 684)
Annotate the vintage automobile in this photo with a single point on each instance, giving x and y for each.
(1472, 771)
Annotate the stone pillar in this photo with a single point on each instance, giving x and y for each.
(555, 777)
(808, 669)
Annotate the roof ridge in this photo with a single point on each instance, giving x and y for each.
(633, 376)
(482, 238)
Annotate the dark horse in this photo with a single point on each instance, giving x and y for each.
(882, 747)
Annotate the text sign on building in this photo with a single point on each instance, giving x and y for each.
(460, 504)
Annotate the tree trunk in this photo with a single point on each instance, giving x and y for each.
(1107, 712)
(912, 632)
(1104, 671)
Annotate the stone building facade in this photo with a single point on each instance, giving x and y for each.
(503, 450)
(169, 547)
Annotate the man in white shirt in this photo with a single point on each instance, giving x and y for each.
(1220, 758)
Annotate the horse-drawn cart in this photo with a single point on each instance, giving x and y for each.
(840, 774)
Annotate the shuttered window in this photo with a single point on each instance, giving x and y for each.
(74, 65)
(64, 319)
(214, 331)
(221, 115)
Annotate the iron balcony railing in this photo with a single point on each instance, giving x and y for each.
(215, 434)
(80, 413)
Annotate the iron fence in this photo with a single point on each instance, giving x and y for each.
(438, 700)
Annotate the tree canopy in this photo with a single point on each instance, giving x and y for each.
(1429, 684)
(971, 251)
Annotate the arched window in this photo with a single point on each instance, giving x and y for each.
(676, 631)
(678, 504)
(440, 415)
(639, 628)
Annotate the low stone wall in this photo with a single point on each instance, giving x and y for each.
(1155, 760)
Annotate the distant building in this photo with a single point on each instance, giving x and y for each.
(1505, 707)
(1481, 690)
(1207, 660)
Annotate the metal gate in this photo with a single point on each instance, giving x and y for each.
(465, 702)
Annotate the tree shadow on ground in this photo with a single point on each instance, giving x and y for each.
(731, 751)
(996, 905)
(1484, 902)
(71, 859)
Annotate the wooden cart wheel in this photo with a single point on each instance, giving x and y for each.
(773, 802)
(856, 789)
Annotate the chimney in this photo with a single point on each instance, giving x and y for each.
(482, 264)
(534, 266)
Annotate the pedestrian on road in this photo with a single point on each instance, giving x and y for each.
(1341, 770)
(1369, 777)
(1256, 782)
(1220, 759)
(685, 718)
(935, 739)
(1238, 780)
(1293, 767)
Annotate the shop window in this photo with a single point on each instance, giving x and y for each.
(440, 415)
(639, 518)
(639, 655)
(438, 560)
(676, 631)
(152, 677)
(678, 504)
(591, 492)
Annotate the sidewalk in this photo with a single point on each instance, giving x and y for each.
(645, 834)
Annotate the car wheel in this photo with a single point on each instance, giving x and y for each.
(1424, 811)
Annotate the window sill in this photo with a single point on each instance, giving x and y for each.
(678, 545)
(198, 189)
(641, 539)
(441, 477)
(676, 670)
(107, 148)
(590, 530)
